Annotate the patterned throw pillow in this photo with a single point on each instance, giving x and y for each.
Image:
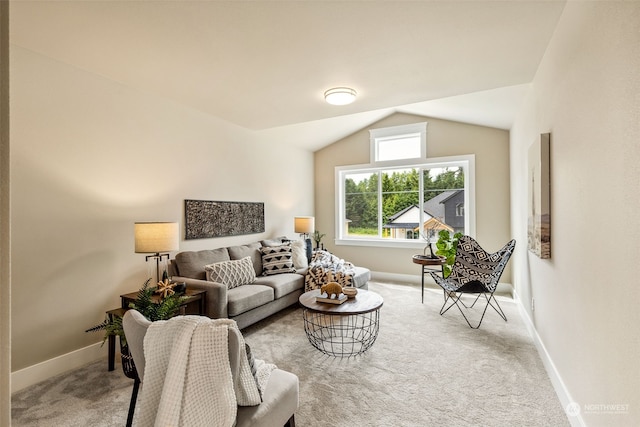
(277, 260)
(232, 273)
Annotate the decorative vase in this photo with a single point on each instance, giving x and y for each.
(350, 291)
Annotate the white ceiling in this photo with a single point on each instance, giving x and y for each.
(264, 65)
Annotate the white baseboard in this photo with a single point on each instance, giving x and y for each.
(58, 365)
(414, 279)
(554, 375)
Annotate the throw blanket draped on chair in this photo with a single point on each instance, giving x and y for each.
(188, 379)
(325, 268)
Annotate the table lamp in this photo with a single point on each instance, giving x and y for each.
(156, 238)
(305, 225)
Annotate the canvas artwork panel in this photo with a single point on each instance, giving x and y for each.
(205, 219)
(539, 217)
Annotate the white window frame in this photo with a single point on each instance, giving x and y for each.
(467, 162)
(397, 132)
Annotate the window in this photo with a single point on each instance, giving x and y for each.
(402, 204)
(398, 143)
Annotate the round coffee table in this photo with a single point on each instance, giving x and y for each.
(347, 329)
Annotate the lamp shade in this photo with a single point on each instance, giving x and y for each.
(304, 224)
(156, 237)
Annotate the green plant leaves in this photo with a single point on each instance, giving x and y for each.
(447, 247)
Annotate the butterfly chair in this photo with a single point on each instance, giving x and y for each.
(474, 272)
(279, 401)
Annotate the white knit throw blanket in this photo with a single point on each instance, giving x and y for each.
(188, 380)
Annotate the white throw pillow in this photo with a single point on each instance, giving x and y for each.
(232, 273)
(299, 254)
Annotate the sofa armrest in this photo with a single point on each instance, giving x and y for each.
(216, 295)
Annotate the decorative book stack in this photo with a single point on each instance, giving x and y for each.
(337, 300)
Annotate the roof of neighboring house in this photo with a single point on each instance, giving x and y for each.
(402, 212)
(408, 225)
(453, 193)
(435, 207)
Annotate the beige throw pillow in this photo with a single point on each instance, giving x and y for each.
(232, 273)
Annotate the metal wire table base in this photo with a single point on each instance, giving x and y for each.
(341, 335)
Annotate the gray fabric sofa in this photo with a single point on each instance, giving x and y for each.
(246, 304)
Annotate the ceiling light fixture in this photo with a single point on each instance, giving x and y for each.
(340, 95)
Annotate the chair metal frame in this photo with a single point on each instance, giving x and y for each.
(475, 271)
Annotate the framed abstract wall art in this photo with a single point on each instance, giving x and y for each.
(539, 213)
(206, 219)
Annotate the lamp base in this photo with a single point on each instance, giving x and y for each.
(309, 249)
(158, 257)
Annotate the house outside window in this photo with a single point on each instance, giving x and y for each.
(402, 201)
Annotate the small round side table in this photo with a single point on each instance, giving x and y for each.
(428, 265)
(347, 329)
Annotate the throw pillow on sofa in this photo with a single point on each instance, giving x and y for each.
(277, 241)
(277, 260)
(299, 254)
(231, 273)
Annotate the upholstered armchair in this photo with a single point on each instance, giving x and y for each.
(279, 399)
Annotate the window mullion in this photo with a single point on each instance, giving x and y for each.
(421, 202)
(380, 204)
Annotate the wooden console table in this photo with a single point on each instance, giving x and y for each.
(195, 303)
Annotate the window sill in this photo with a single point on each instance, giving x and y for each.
(383, 243)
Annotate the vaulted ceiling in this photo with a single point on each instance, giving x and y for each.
(264, 65)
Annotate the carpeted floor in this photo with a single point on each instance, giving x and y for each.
(424, 370)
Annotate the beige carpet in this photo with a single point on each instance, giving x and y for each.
(424, 370)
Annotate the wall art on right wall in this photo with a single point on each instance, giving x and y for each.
(539, 221)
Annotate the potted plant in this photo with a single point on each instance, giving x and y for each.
(159, 309)
(428, 237)
(317, 237)
(447, 246)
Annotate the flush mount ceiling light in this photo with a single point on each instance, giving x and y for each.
(340, 95)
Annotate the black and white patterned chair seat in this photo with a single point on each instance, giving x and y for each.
(474, 271)
(474, 264)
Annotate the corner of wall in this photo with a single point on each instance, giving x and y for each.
(5, 226)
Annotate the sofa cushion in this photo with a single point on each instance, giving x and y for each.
(282, 284)
(361, 277)
(247, 297)
(191, 264)
(251, 250)
(277, 260)
(280, 401)
(232, 273)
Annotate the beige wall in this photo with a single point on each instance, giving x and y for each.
(444, 138)
(587, 94)
(89, 158)
(5, 264)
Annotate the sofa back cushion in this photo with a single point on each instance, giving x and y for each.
(251, 250)
(191, 263)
